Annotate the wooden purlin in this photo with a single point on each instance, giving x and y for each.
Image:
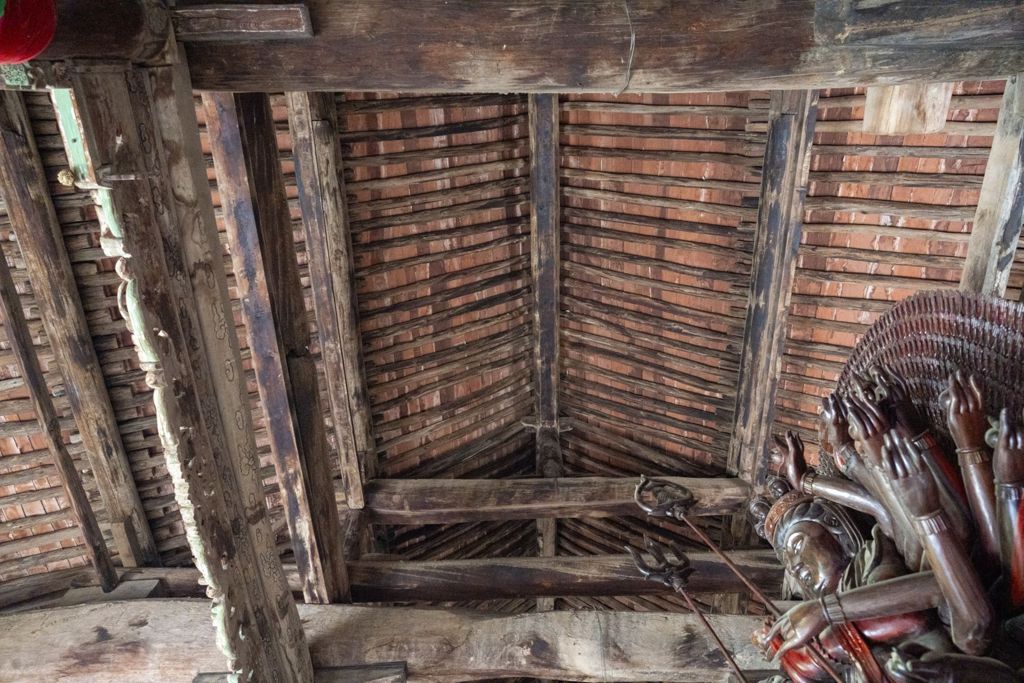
(159, 223)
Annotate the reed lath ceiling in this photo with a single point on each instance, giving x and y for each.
(659, 200)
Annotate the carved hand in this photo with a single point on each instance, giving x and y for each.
(911, 479)
(894, 389)
(868, 426)
(798, 626)
(1008, 460)
(788, 458)
(965, 411)
(834, 427)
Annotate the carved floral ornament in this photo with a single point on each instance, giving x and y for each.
(904, 546)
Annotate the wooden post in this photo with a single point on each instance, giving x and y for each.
(997, 222)
(319, 173)
(46, 260)
(133, 136)
(908, 109)
(259, 230)
(544, 251)
(133, 30)
(776, 243)
(23, 187)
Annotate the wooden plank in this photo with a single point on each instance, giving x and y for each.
(392, 672)
(997, 222)
(320, 179)
(146, 640)
(23, 188)
(259, 231)
(40, 238)
(907, 109)
(439, 501)
(133, 135)
(776, 243)
(242, 22)
(545, 262)
(563, 46)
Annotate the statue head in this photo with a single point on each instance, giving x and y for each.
(813, 538)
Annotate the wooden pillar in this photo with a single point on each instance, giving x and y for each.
(46, 260)
(544, 251)
(131, 30)
(997, 222)
(259, 229)
(27, 196)
(319, 173)
(133, 136)
(776, 243)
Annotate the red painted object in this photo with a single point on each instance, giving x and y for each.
(26, 28)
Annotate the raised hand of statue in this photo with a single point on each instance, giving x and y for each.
(1008, 459)
(834, 430)
(911, 479)
(893, 389)
(798, 626)
(965, 411)
(868, 426)
(788, 458)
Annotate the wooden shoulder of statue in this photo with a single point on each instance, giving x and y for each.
(908, 556)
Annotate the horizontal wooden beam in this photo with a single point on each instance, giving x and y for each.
(611, 46)
(173, 641)
(444, 501)
(242, 22)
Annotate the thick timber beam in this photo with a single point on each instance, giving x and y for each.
(132, 135)
(172, 641)
(445, 501)
(319, 175)
(776, 243)
(544, 258)
(112, 30)
(20, 185)
(259, 230)
(40, 238)
(611, 46)
(997, 222)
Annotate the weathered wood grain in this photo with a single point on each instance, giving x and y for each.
(907, 109)
(242, 22)
(149, 640)
(428, 501)
(997, 222)
(108, 29)
(565, 45)
(259, 232)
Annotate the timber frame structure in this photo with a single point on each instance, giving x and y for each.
(300, 313)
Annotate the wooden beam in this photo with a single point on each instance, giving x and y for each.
(545, 267)
(997, 223)
(134, 30)
(321, 182)
(446, 501)
(607, 46)
(24, 186)
(392, 672)
(242, 22)
(34, 219)
(776, 244)
(173, 641)
(133, 136)
(907, 109)
(259, 230)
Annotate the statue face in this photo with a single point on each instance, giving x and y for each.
(814, 558)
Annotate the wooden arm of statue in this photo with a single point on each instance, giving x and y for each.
(971, 614)
(1008, 468)
(788, 458)
(965, 414)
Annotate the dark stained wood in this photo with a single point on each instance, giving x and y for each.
(242, 22)
(777, 240)
(318, 171)
(563, 45)
(439, 501)
(140, 127)
(34, 219)
(24, 187)
(520, 577)
(172, 641)
(108, 29)
(997, 222)
(259, 231)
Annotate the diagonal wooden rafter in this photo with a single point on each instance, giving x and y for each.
(259, 231)
(997, 222)
(34, 220)
(133, 136)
